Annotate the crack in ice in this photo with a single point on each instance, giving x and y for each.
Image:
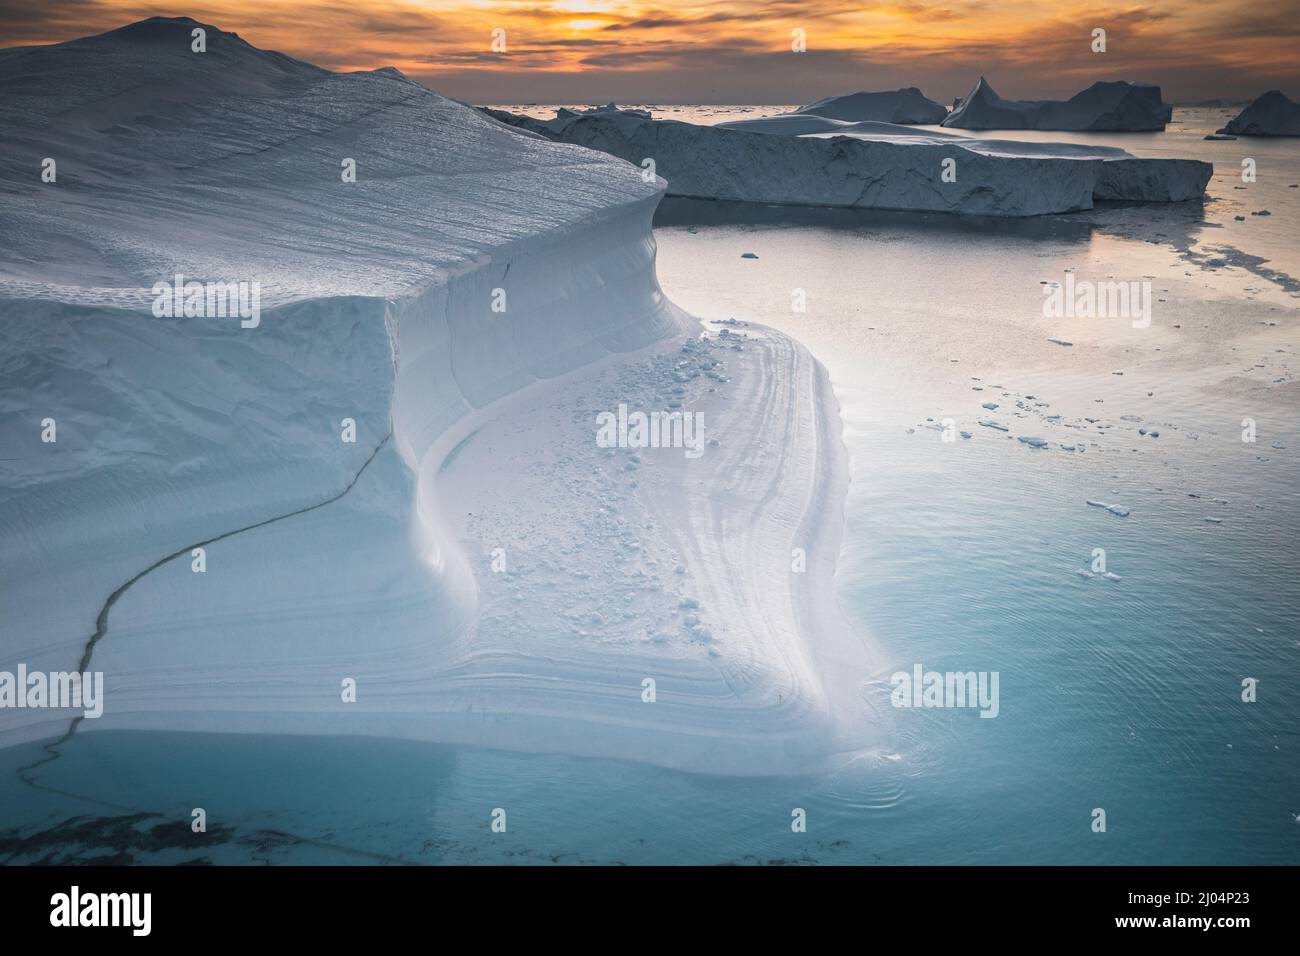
(101, 621)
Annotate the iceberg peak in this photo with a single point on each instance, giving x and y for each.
(1271, 114)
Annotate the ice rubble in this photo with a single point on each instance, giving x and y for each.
(817, 161)
(1103, 107)
(325, 559)
(1271, 114)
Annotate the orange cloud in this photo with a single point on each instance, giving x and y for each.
(737, 50)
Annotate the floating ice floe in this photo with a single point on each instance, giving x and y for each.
(1113, 509)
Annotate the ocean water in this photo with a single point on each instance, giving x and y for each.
(958, 555)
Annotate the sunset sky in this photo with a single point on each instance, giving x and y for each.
(739, 51)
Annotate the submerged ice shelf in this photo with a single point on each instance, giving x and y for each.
(464, 307)
(798, 159)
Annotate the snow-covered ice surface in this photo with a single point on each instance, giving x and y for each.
(1271, 114)
(819, 161)
(475, 430)
(1116, 106)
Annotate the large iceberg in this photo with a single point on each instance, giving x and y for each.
(1271, 114)
(1103, 107)
(302, 380)
(817, 161)
(908, 106)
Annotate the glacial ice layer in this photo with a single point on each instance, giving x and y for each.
(375, 502)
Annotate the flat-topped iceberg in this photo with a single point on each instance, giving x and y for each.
(1117, 106)
(302, 376)
(905, 107)
(908, 106)
(817, 161)
(1271, 114)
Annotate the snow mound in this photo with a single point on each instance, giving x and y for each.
(876, 165)
(1272, 114)
(1117, 106)
(905, 106)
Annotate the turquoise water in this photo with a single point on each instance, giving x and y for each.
(958, 555)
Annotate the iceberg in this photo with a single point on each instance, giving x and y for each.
(792, 160)
(383, 508)
(788, 124)
(1271, 114)
(1117, 106)
(908, 106)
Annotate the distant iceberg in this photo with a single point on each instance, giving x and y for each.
(908, 106)
(1117, 106)
(1272, 114)
(819, 161)
(838, 113)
